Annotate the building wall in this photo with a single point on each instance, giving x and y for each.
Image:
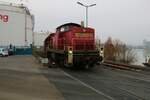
(12, 31)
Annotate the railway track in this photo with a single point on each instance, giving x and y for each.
(89, 86)
(99, 84)
(95, 88)
(125, 66)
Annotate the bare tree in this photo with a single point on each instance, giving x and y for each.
(98, 44)
(118, 51)
(109, 49)
(123, 53)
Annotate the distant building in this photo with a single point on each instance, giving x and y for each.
(39, 38)
(16, 25)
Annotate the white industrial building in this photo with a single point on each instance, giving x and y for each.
(16, 25)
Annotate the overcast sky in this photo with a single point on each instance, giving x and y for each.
(127, 20)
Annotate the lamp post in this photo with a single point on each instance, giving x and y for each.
(26, 42)
(86, 6)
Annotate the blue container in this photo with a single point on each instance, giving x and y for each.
(23, 51)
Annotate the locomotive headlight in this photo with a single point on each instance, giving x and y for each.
(102, 52)
(70, 57)
(70, 52)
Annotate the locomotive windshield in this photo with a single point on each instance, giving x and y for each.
(64, 29)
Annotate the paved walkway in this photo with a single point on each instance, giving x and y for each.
(21, 78)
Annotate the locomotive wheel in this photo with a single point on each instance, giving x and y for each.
(51, 63)
(65, 62)
(89, 66)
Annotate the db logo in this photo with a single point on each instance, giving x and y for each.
(4, 18)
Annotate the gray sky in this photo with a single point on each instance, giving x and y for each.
(127, 20)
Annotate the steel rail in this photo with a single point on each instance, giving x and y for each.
(124, 66)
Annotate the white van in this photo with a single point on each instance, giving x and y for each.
(3, 52)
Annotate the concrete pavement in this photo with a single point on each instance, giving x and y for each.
(21, 79)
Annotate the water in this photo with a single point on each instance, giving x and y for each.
(140, 56)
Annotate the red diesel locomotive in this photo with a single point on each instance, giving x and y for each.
(72, 45)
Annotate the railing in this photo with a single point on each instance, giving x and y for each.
(85, 44)
(78, 44)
